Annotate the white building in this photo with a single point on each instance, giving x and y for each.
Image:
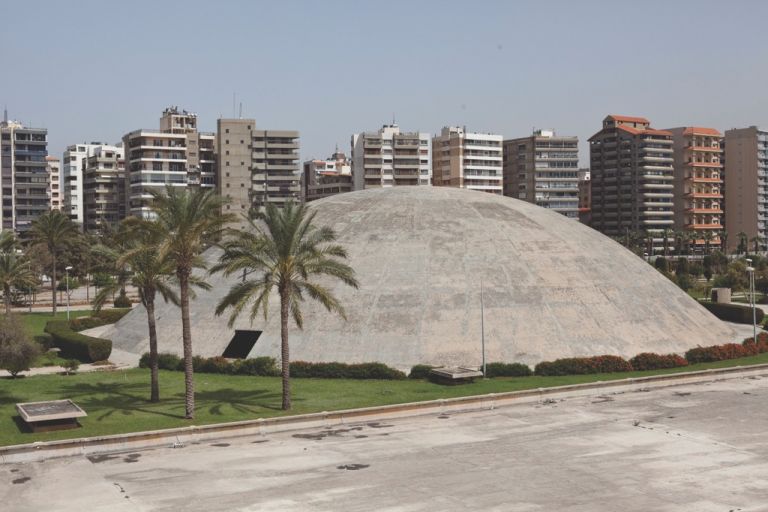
(72, 178)
(390, 157)
(324, 178)
(465, 159)
(55, 193)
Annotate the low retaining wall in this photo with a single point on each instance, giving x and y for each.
(262, 426)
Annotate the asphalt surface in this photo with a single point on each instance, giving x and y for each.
(686, 448)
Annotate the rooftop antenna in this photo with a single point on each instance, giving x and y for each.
(241, 111)
(233, 104)
(5, 114)
(393, 118)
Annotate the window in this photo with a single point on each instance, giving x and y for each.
(226, 141)
(227, 130)
(227, 152)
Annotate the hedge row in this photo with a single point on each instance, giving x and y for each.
(583, 365)
(86, 349)
(102, 317)
(728, 351)
(267, 367)
(737, 313)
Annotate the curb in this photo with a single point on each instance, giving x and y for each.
(178, 437)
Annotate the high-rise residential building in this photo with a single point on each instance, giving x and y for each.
(390, 157)
(465, 159)
(746, 184)
(104, 187)
(323, 178)
(585, 196)
(24, 174)
(55, 192)
(698, 184)
(72, 179)
(176, 155)
(632, 178)
(256, 167)
(543, 169)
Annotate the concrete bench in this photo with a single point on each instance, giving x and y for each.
(51, 415)
(454, 375)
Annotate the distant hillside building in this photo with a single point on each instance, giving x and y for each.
(463, 159)
(543, 169)
(632, 178)
(24, 174)
(389, 157)
(324, 178)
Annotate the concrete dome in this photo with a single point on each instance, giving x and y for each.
(552, 288)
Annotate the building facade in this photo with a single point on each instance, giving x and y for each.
(324, 178)
(543, 169)
(470, 160)
(632, 178)
(746, 184)
(24, 175)
(55, 192)
(698, 184)
(104, 187)
(175, 155)
(72, 179)
(585, 196)
(256, 167)
(390, 157)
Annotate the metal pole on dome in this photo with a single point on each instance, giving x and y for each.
(482, 327)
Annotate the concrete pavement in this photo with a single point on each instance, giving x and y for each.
(686, 448)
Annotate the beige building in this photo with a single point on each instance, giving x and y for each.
(543, 169)
(465, 159)
(390, 157)
(256, 167)
(585, 196)
(104, 187)
(746, 184)
(632, 178)
(698, 184)
(176, 155)
(55, 191)
(324, 178)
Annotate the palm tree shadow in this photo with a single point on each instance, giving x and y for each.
(117, 398)
(242, 401)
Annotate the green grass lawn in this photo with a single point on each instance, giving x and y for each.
(116, 401)
(35, 322)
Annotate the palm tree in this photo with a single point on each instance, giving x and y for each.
(743, 247)
(150, 275)
(55, 231)
(187, 222)
(8, 241)
(15, 272)
(707, 236)
(667, 233)
(724, 242)
(756, 242)
(286, 250)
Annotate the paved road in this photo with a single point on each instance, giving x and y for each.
(690, 448)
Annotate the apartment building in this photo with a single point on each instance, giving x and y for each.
(543, 169)
(585, 196)
(324, 178)
(72, 178)
(255, 166)
(104, 187)
(176, 155)
(390, 157)
(632, 177)
(55, 192)
(746, 184)
(470, 160)
(698, 184)
(24, 174)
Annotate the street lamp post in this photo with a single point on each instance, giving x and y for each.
(751, 273)
(66, 270)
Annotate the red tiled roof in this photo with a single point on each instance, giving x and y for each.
(639, 131)
(629, 119)
(690, 130)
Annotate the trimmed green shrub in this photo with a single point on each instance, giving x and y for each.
(112, 316)
(71, 365)
(420, 371)
(583, 366)
(651, 361)
(122, 301)
(45, 340)
(507, 370)
(216, 364)
(737, 313)
(76, 345)
(103, 317)
(261, 366)
(719, 353)
(165, 361)
(304, 369)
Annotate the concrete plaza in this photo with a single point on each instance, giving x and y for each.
(684, 448)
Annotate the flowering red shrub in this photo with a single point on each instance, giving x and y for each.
(583, 365)
(719, 353)
(651, 361)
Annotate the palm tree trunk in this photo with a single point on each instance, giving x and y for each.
(186, 336)
(53, 283)
(286, 362)
(153, 367)
(7, 297)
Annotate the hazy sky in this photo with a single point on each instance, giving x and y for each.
(95, 70)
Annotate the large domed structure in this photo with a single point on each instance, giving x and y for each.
(552, 288)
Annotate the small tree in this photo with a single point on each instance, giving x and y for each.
(71, 366)
(682, 267)
(17, 350)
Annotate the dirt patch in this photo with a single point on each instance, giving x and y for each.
(221, 445)
(96, 459)
(21, 480)
(353, 467)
